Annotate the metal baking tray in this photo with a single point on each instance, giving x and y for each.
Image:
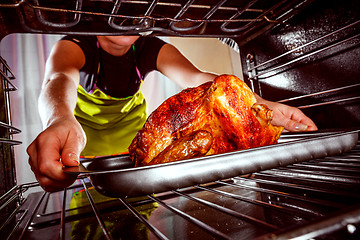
(116, 176)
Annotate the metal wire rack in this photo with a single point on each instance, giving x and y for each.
(207, 18)
(7, 77)
(7, 166)
(313, 199)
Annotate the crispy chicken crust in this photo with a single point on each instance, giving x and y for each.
(216, 117)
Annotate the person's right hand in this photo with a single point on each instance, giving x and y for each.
(58, 145)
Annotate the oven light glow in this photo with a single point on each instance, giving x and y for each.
(280, 81)
(351, 228)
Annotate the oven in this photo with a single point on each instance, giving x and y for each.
(304, 53)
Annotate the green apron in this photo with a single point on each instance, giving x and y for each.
(110, 123)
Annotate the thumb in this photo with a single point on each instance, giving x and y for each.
(70, 159)
(70, 154)
(73, 146)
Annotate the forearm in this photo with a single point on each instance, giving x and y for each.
(199, 78)
(260, 100)
(178, 68)
(189, 75)
(57, 99)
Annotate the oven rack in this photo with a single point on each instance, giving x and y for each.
(7, 76)
(7, 165)
(214, 18)
(318, 198)
(275, 64)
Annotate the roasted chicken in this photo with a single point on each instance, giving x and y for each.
(216, 117)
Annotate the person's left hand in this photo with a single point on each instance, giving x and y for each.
(291, 118)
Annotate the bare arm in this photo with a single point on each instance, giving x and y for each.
(178, 68)
(58, 95)
(63, 138)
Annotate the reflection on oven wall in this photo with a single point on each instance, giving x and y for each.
(26, 55)
(311, 62)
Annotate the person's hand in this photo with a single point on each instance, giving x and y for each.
(58, 145)
(291, 118)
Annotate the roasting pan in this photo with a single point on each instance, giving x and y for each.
(116, 176)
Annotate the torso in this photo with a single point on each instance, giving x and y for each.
(117, 75)
(110, 107)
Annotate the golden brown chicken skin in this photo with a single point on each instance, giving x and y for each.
(223, 112)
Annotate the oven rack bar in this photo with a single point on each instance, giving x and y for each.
(286, 209)
(211, 230)
(7, 75)
(346, 219)
(330, 102)
(302, 57)
(96, 212)
(12, 130)
(80, 12)
(305, 45)
(279, 193)
(262, 16)
(149, 20)
(334, 90)
(62, 218)
(14, 197)
(153, 229)
(207, 16)
(255, 72)
(10, 141)
(298, 187)
(77, 15)
(261, 223)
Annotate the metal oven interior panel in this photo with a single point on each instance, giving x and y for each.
(311, 62)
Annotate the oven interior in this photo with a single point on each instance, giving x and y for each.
(304, 53)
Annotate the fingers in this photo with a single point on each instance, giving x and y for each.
(292, 119)
(300, 122)
(294, 126)
(47, 166)
(47, 163)
(311, 125)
